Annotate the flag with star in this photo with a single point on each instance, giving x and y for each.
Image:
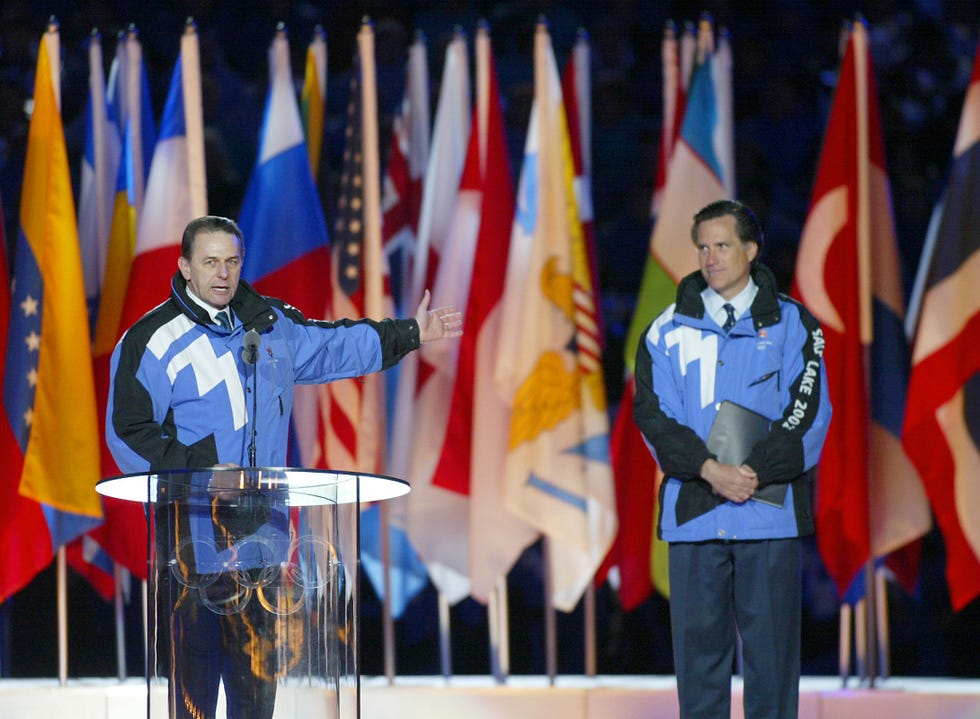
(355, 427)
(346, 287)
(49, 392)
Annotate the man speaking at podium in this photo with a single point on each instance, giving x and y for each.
(178, 399)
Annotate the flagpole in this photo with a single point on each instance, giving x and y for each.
(499, 627)
(445, 647)
(864, 278)
(62, 582)
(373, 292)
(388, 622)
(550, 633)
(117, 575)
(590, 633)
(881, 615)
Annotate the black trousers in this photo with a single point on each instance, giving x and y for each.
(713, 586)
(238, 648)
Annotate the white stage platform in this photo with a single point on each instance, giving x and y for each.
(604, 697)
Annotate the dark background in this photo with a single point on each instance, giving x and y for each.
(785, 63)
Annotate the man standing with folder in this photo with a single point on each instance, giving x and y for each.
(731, 396)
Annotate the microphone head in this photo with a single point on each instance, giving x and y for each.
(250, 346)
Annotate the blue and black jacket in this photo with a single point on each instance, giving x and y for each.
(180, 391)
(769, 362)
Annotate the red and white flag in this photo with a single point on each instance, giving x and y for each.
(941, 423)
(456, 517)
(869, 500)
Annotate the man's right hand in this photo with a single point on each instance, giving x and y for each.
(736, 483)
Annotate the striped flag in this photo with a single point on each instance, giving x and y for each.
(176, 190)
(416, 441)
(287, 245)
(401, 198)
(401, 203)
(49, 395)
(128, 95)
(174, 195)
(557, 474)
(100, 161)
(869, 499)
(288, 250)
(314, 96)
(457, 520)
(576, 89)
(698, 169)
(941, 424)
(355, 429)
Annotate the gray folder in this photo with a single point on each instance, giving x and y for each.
(733, 434)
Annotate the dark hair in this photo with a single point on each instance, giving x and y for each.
(747, 225)
(208, 223)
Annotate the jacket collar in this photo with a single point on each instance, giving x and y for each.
(251, 308)
(764, 310)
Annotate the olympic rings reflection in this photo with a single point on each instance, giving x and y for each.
(226, 581)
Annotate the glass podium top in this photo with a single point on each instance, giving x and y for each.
(294, 486)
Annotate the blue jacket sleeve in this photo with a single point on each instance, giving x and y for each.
(796, 438)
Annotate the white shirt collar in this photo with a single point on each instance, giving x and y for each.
(212, 311)
(714, 304)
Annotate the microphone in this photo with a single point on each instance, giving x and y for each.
(250, 354)
(250, 346)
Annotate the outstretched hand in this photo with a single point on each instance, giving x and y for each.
(437, 324)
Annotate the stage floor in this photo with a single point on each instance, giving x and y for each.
(524, 697)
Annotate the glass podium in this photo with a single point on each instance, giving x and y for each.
(253, 589)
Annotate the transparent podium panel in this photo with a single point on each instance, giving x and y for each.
(253, 606)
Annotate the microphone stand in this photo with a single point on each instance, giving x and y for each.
(250, 352)
(255, 416)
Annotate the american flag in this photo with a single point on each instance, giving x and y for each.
(355, 430)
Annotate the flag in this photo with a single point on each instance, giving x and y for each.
(314, 96)
(355, 429)
(940, 431)
(416, 437)
(677, 56)
(869, 500)
(456, 516)
(446, 156)
(100, 160)
(174, 195)
(287, 247)
(401, 203)
(557, 475)
(131, 116)
(576, 89)
(401, 199)
(130, 108)
(699, 168)
(176, 189)
(49, 395)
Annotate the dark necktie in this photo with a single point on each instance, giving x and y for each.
(222, 319)
(730, 322)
